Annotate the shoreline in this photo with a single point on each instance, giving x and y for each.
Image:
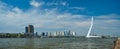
(117, 44)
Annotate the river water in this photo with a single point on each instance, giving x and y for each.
(56, 43)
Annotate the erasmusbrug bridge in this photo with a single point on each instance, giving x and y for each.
(89, 31)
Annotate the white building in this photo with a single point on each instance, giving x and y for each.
(73, 33)
(49, 34)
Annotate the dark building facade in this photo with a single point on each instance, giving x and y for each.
(43, 34)
(26, 29)
(29, 31)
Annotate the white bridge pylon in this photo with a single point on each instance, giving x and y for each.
(89, 31)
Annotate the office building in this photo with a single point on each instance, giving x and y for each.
(43, 34)
(29, 31)
(26, 29)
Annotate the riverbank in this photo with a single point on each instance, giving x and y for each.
(117, 44)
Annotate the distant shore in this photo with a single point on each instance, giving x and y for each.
(20, 35)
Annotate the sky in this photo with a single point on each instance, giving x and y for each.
(61, 15)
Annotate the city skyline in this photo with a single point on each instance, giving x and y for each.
(62, 15)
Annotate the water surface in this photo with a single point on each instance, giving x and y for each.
(56, 43)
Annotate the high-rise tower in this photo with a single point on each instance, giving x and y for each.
(26, 29)
(29, 31)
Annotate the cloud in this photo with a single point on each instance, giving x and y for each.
(49, 4)
(111, 21)
(17, 10)
(64, 3)
(36, 4)
(57, 3)
(109, 16)
(50, 19)
(78, 8)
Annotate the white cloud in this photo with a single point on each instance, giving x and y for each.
(36, 4)
(111, 21)
(52, 4)
(50, 19)
(64, 3)
(79, 8)
(57, 3)
(83, 24)
(17, 10)
(109, 16)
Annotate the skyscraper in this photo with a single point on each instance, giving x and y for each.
(26, 29)
(29, 31)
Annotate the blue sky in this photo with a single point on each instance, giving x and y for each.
(61, 15)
